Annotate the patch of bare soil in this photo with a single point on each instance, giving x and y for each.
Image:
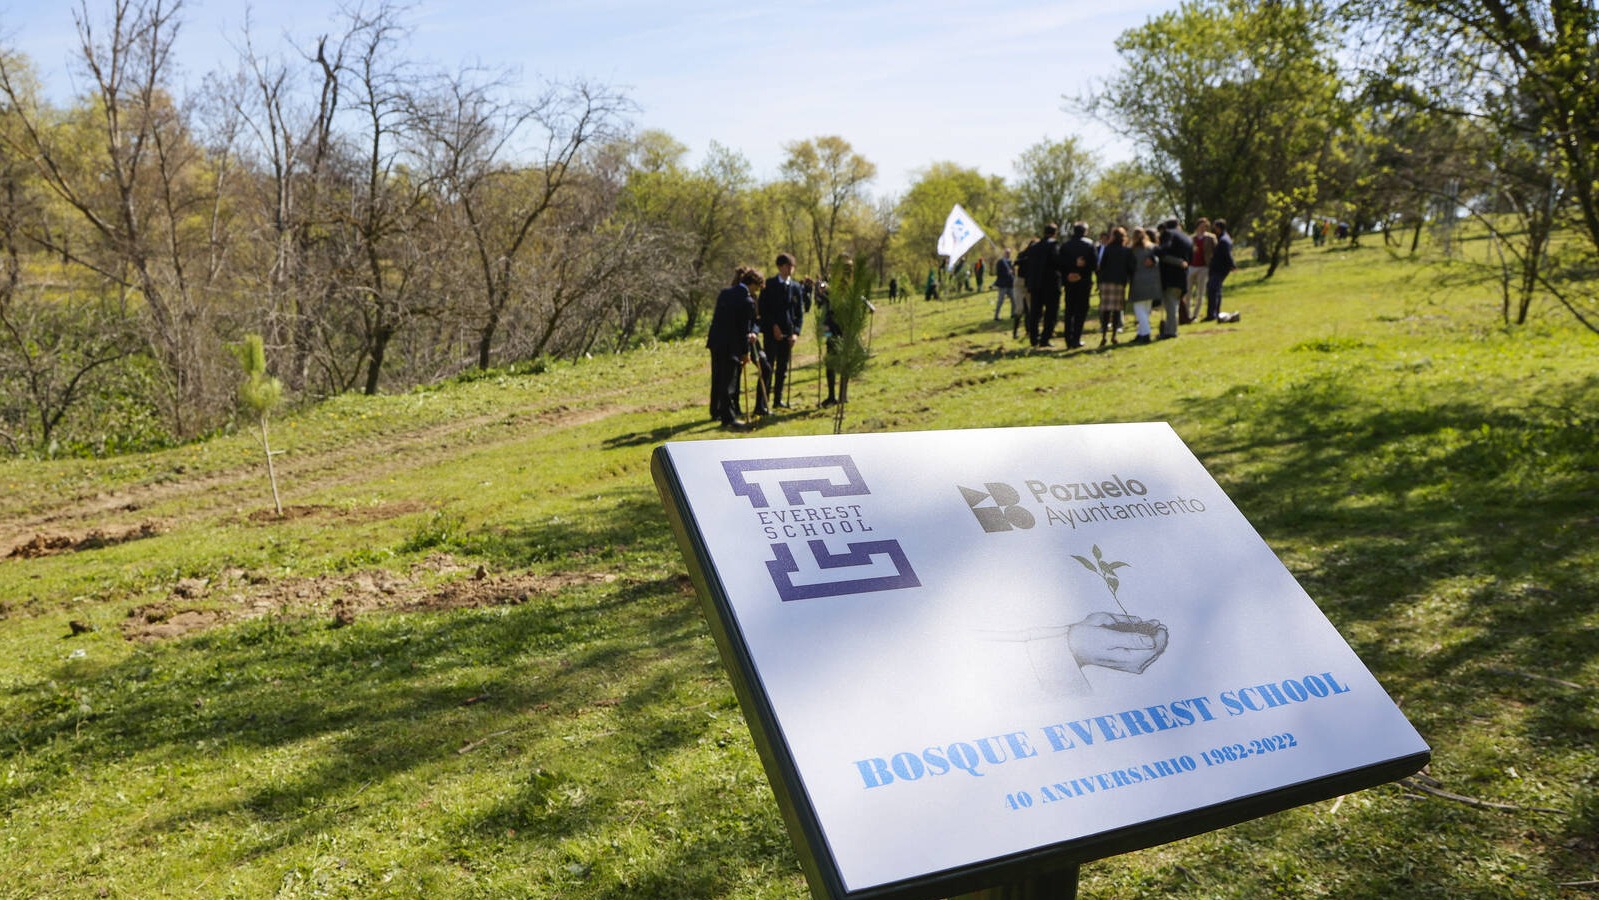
(342, 513)
(51, 544)
(438, 583)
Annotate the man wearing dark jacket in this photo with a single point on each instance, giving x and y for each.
(1175, 252)
(782, 311)
(1040, 265)
(1221, 264)
(1078, 260)
(730, 339)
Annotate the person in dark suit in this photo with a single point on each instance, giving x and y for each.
(1221, 264)
(732, 335)
(782, 311)
(1175, 253)
(1040, 266)
(1078, 260)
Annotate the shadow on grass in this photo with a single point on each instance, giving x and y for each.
(655, 435)
(287, 730)
(1452, 542)
(606, 532)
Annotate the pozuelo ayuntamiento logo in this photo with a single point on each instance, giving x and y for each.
(1074, 504)
(818, 491)
(999, 509)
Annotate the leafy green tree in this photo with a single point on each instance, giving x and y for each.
(701, 215)
(822, 177)
(1126, 194)
(926, 205)
(1238, 117)
(1054, 183)
(849, 286)
(1525, 70)
(873, 228)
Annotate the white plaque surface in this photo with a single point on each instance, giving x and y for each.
(961, 650)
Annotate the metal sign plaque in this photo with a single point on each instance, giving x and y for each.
(968, 656)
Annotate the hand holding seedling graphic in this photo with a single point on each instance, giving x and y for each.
(1119, 641)
(1124, 642)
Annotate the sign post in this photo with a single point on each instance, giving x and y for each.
(973, 660)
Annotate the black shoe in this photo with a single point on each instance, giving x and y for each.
(829, 402)
(782, 404)
(735, 425)
(1141, 339)
(763, 411)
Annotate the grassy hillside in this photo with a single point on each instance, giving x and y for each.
(468, 661)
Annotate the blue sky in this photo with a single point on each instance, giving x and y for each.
(906, 82)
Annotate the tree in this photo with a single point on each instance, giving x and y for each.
(926, 205)
(700, 215)
(1525, 71)
(1054, 180)
(467, 138)
(823, 176)
(386, 232)
(140, 188)
(52, 350)
(850, 312)
(1127, 194)
(1238, 124)
(292, 146)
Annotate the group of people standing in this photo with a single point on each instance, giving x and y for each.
(761, 319)
(1162, 265)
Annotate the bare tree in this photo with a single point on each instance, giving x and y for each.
(141, 189)
(596, 274)
(468, 139)
(293, 151)
(51, 348)
(383, 260)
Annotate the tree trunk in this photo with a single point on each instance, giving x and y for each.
(485, 338)
(374, 369)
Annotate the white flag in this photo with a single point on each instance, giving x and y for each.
(960, 234)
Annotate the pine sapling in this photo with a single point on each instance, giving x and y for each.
(260, 394)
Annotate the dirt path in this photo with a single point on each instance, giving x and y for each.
(80, 522)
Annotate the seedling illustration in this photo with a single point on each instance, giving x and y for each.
(1123, 642)
(1106, 570)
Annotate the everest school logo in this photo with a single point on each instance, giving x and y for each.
(999, 509)
(822, 541)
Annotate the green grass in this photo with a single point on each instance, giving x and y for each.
(1431, 477)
